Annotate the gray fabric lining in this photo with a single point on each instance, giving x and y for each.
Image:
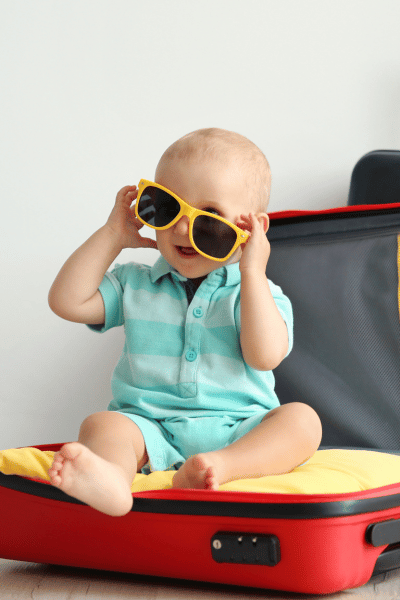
(345, 361)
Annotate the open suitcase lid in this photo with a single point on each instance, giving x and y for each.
(340, 268)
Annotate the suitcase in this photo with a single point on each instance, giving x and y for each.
(340, 268)
(308, 543)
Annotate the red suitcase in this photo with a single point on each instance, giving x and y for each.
(302, 543)
(341, 270)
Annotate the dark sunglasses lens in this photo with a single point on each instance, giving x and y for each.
(156, 207)
(213, 237)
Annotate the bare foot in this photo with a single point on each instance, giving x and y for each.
(79, 472)
(198, 472)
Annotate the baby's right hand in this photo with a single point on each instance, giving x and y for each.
(124, 224)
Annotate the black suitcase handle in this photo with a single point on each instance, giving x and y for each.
(384, 532)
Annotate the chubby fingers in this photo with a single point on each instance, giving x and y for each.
(252, 221)
(132, 193)
(126, 189)
(245, 223)
(127, 194)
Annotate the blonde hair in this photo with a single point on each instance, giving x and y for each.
(226, 145)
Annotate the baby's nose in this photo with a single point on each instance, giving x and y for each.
(182, 226)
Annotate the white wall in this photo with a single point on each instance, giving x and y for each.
(93, 91)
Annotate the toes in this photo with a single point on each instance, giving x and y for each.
(196, 474)
(210, 479)
(55, 479)
(56, 468)
(58, 462)
(70, 451)
(55, 475)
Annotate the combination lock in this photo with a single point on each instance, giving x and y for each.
(245, 548)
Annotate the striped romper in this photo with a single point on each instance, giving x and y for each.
(182, 377)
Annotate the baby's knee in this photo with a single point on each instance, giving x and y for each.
(308, 422)
(94, 422)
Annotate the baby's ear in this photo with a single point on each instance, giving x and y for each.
(265, 219)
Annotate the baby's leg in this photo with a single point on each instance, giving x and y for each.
(286, 437)
(100, 467)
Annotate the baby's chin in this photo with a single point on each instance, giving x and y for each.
(192, 264)
(194, 267)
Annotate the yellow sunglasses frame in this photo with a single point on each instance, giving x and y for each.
(191, 213)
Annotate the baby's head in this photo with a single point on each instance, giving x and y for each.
(228, 151)
(216, 171)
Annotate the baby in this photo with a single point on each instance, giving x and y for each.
(193, 390)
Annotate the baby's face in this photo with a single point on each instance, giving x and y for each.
(206, 185)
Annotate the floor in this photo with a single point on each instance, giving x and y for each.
(24, 580)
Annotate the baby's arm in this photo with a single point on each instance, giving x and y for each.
(74, 294)
(263, 334)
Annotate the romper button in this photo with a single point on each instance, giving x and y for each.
(198, 312)
(191, 355)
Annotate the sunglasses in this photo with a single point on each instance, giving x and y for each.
(211, 236)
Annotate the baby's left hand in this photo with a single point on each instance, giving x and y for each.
(257, 249)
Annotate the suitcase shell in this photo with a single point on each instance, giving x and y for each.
(301, 543)
(315, 544)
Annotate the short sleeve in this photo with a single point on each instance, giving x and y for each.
(284, 306)
(111, 290)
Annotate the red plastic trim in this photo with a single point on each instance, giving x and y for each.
(286, 214)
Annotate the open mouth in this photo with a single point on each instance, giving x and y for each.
(186, 251)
